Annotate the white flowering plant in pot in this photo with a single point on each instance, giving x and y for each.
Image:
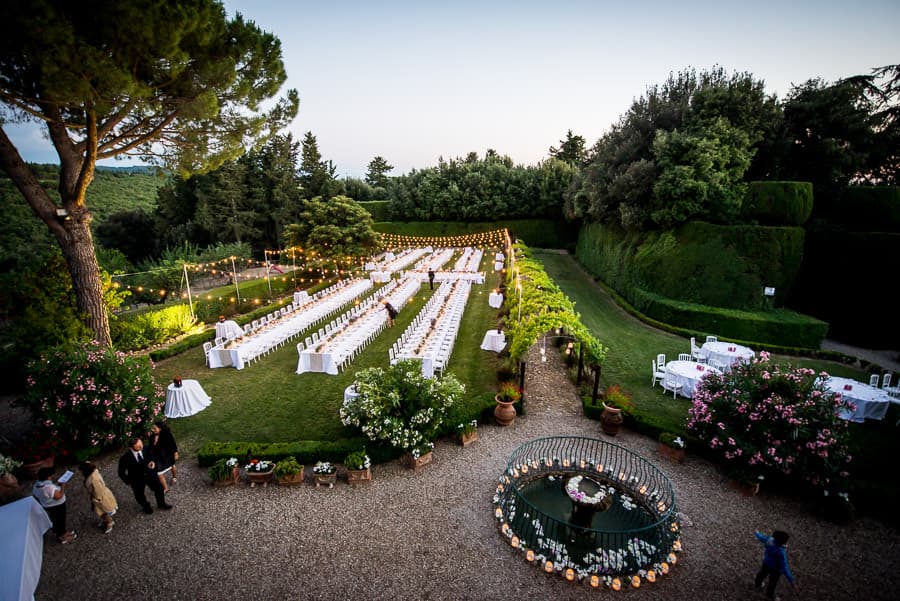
(324, 468)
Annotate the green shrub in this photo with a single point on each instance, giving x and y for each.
(304, 451)
(287, 466)
(377, 208)
(222, 469)
(138, 330)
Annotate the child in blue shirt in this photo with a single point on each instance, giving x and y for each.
(774, 562)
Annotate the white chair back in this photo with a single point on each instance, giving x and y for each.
(873, 380)
(684, 356)
(886, 381)
(712, 338)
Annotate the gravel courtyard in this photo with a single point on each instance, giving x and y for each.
(432, 535)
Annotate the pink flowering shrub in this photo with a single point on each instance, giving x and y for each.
(89, 396)
(763, 419)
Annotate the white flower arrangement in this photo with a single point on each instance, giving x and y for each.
(259, 466)
(323, 468)
(574, 492)
(422, 450)
(8, 465)
(232, 462)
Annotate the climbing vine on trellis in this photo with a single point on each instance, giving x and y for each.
(543, 307)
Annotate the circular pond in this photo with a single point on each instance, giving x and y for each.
(588, 510)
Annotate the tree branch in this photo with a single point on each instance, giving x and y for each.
(28, 185)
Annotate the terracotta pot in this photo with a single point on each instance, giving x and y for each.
(611, 420)
(467, 439)
(291, 479)
(748, 489)
(31, 469)
(355, 477)
(263, 478)
(676, 455)
(504, 412)
(326, 479)
(414, 463)
(235, 478)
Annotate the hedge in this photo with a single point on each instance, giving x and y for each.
(778, 203)
(305, 451)
(870, 209)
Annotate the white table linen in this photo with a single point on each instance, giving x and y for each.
(23, 524)
(228, 329)
(494, 340)
(495, 300)
(498, 265)
(187, 400)
(871, 402)
(499, 257)
(727, 353)
(689, 374)
(350, 393)
(432, 334)
(380, 276)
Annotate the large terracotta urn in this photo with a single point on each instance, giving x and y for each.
(611, 420)
(504, 412)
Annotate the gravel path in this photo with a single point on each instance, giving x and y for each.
(432, 535)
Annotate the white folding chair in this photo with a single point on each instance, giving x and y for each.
(695, 352)
(669, 383)
(659, 374)
(717, 364)
(661, 360)
(247, 328)
(220, 340)
(712, 338)
(207, 347)
(873, 380)
(299, 347)
(684, 357)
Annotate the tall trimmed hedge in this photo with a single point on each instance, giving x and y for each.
(377, 208)
(705, 277)
(870, 209)
(778, 203)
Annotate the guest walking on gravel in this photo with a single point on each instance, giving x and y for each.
(774, 562)
(164, 452)
(103, 502)
(52, 498)
(138, 470)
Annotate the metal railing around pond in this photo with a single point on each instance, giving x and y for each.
(639, 533)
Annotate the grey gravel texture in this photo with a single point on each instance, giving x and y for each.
(431, 534)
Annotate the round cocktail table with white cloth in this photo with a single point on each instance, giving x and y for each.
(494, 340)
(499, 257)
(186, 400)
(498, 265)
(689, 374)
(727, 353)
(871, 402)
(495, 300)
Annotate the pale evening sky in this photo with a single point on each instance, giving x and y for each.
(415, 80)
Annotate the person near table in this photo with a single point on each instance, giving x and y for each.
(103, 501)
(52, 498)
(164, 452)
(138, 470)
(392, 313)
(431, 278)
(774, 562)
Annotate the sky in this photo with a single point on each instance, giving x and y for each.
(413, 81)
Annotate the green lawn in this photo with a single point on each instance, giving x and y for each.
(269, 402)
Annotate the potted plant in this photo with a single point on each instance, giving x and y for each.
(37, 450)
(260, 472)
(671, 446)
(508, 395)
(325, 473)
(358, 467)
(289, 472)
(614, 403)
(225, 472)
(420, 456)
(468, 432)
(8, 481)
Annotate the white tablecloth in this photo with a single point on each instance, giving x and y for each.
(23, 524)
(228, 329)
(219, 356)
(300, 297)
(689, 374)
(727, 353)
(498, 265)
(495, 300)
(499, 257)
(320, 362)
(380, 276)
(187, 400)
(493, 341)
(871, 402)
(350, 393)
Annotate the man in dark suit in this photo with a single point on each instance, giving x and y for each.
(138, 470)
(431, 278)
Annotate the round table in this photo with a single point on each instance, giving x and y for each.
(871, 402)
(494, 340)
(495, 300)
(185, 400)
(689, 374)
(726, 353)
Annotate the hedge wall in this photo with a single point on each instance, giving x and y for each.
(377, 208)
(870, 209)
(537, 233)
(778, 203)
(306, 452)
(706, 278)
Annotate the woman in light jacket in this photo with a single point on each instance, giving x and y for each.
(103, 502)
